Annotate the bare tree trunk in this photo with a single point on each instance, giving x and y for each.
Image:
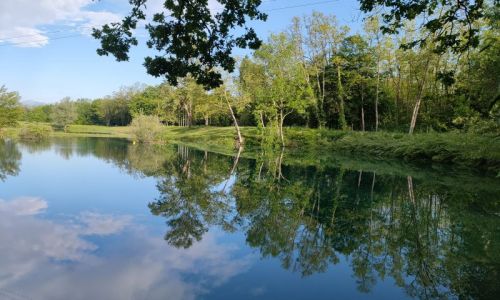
(362, 109)
(342, 120)
(410, 189)
(238, 131)
(279, 165)
(235, 164)
(398, 95)
(282, 136)
(415, 115)
(262, 119)
(189, 118)
(373, 186)
(206, 121)
(419, 99)
(377, 92)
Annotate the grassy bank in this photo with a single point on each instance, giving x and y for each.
(459, 149)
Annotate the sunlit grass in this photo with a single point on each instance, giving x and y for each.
(457, 148)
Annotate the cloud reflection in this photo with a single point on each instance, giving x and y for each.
(23, 206)
(44, 259)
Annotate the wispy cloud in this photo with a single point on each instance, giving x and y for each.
(23, 206)
(22, 22)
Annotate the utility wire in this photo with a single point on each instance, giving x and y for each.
(46, 32)
(300, 5)
(80, 34)
(41, 40)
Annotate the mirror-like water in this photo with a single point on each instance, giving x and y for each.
(93, 218)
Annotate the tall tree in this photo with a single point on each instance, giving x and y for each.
(286, 84)
(10, 107)
(372, 28)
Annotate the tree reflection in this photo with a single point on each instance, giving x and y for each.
(10, 159)
(435, 241)
(435, 236)
(189, 198)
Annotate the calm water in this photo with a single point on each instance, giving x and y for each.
(105, 219)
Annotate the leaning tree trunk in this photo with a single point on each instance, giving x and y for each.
(238, 131)
(415, 115)
(419, 99)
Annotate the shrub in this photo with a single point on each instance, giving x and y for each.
(146, 129)
(35, 132)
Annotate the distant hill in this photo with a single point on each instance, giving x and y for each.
(32, 103)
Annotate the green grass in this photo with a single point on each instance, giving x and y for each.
(312, 145)
(95, 130)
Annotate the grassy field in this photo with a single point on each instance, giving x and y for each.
(459, 149)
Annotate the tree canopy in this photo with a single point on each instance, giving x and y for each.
(193, 37)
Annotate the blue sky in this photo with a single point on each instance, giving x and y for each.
(46, 52)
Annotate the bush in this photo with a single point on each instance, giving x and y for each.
(146, 129)
(35, 132)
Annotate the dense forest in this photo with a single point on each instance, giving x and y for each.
(317, 73)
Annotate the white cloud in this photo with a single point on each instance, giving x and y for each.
(98, 224)
(21, 20)
(23, 206)
(44, 259)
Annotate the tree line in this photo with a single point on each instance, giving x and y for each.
(319, 74)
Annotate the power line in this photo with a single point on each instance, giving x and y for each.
(42, 40)
(300, 5)
(76, 35)
(46, 32)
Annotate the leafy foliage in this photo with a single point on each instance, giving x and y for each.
(146, 129)
(35, 132)
(63, 114)
(452, 22)
(191, 37)
(10, 108)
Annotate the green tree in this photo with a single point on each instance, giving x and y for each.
(63, 114)
(286, 87)
(148, 102)
(38, 113)
(194, 39)
(10, 108)
(453, 24)
(87, 112)
(358, 75)
(318, 39)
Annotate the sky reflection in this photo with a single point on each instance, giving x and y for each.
(44, 259)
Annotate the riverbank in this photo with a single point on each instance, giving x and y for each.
(459, 149)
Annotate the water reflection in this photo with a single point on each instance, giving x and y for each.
(43, 259)
(10, 158)
(436, 235)
(435, 241)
